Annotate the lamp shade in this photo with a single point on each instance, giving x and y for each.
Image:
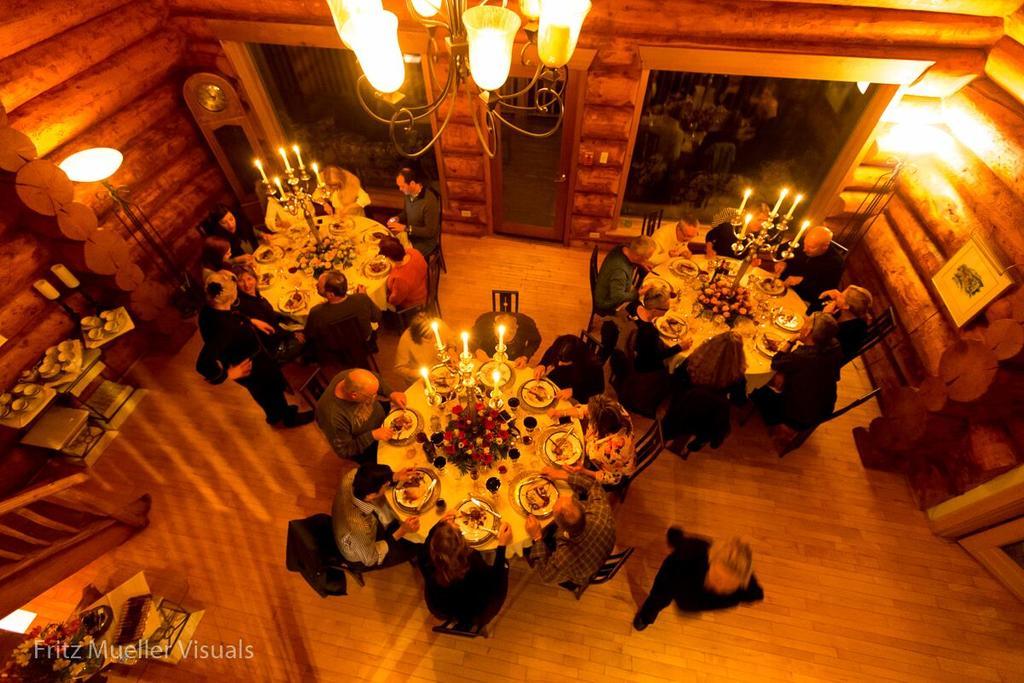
(530, 9)
(491, 32)
(559, 30)
(426, 8)
(343, 10)
(374, 38)
(92, 165)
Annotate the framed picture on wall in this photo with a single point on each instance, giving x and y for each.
(970, 280)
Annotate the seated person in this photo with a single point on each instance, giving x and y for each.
(816, 268)
(673, 240)
(333, 286)
(351, 416)
(365, 528)
(522, 338)
(417, 347)
(614, 287)
(407, 281)
(719, 239)
(700, 576)
(341, 193)
(283, 344)
(808, 376)
(852, 309)
(421, 217)
(221, 222)
(215, 256)
(608, 439)
(458, 582)
(571, 365)
(582, 537)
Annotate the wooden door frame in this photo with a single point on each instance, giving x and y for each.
(889, 75)
(986, 546)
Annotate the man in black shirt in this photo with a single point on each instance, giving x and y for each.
(816, 268)
(522, 338)
(719, 240)
(333, 286)
(808, 375)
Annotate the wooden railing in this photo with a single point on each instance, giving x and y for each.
(52, 530)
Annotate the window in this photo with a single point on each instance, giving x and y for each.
(313, 91)
(704, 138)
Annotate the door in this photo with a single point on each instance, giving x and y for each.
(530, 176)
(1001, 550)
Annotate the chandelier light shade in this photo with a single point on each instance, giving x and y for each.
(426, 8)
(92, 165)
(530, 9)
(343, 10)
(374, 38)
(560, 24)
(491, 32)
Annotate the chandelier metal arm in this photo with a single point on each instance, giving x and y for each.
(489, 148)
(528, 133)
(437, 136)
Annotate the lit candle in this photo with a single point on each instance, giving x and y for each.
(465, 343)
(259, 165)
(803, 228)
(316, 171)
(436, 327)
(280, 188)
(778, 204)
(796, 200)
(46, 289)
(501, 336)
(496, 378)
(426, 379)
(284, 155)
(746, 195)
(746, 224)
(298, 155)
(65, 275)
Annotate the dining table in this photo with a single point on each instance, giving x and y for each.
(280, 276)
(455, 487)
(777, 312)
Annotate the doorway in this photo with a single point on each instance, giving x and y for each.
(530, 175)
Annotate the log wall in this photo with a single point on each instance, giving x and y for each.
(74, 76)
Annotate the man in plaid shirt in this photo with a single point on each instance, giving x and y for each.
(584, 533)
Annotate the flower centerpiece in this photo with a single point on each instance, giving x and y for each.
(329, 254)
(55, 652)
(475, 437)
(722, 298)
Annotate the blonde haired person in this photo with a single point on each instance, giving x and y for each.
(608, 441)
(852, 310)
(341, 193)
(700, 576)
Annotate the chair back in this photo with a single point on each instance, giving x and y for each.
(342, 343)
(800, 437)
(505, 301)
(592, 344)
(878, 330)
(647, 449)
(652, 221)
(312, 551)
(451, 628)
(593, 287)
(606, 572)
(433, 283)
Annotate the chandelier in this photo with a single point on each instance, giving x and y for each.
(479, 43)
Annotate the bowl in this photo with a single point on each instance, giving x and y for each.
(5, 399)
(30, 375)
(110, 326)
(4, 411)
(19, 404)
(95, 333)
(91, 322)
(49, 368)
(108, 315)
(27, 389)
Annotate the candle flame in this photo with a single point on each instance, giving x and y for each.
(434, 326)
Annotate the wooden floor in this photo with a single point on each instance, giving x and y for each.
(856, 586)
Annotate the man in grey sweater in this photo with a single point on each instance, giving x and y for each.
(351, 416)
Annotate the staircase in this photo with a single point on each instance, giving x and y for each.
(52, 530)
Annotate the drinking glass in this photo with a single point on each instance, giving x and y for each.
(530, 423)
(513, 403)
(439, 462)
(493, 484)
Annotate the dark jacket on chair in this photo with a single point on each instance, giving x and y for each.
(311, 551)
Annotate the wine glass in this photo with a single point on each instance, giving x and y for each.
(530, 423)
(439, 463)
(493, 484)
(513, 403)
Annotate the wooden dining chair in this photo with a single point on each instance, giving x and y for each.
(607, 572)
(344, 345)
(647, 448)
(593, 288)
(878, 329)
(451, 628)
(592, 344)
(652, 221)
(791, 439)
(505, 300)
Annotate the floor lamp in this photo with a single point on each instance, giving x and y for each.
(97, 165)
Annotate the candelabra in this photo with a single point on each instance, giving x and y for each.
(299, 196)
(496, 402)
(771, 236)
(500, 351)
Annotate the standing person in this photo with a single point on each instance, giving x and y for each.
(852, 310)
(582, 537)
(222, 222)
(339, 304)
(407, 281)
(233, 349)
(458, 582)
(351, 416)
(700, 576)
(803, 393)
(816, 268)
(673, 241)
(417, 347)
(341, 193)
(573, 367)
(614, 288)
(365, 529)
(421, 217)
(522, 338)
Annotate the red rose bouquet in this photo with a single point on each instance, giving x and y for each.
(476, 437)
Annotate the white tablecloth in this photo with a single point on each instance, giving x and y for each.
(759, 371)
(456, 487)
(296, 239)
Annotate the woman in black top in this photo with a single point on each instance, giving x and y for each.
(233, 349)
(852, 310)
(570, 364)
(221, 222)
(700, 576)
(283, 345)
(458, 582)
